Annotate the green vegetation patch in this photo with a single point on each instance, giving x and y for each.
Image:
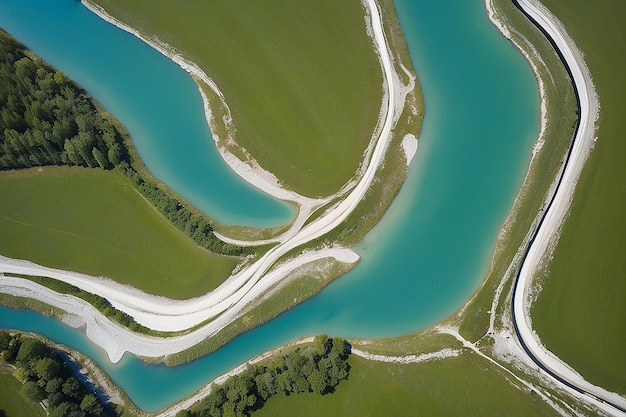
(95, 222)
(46, 119)
(45, 376)
(462, 386)
(561, 112)
(302, 80)
(318, 369)
(12, 402)
(426, 341)
(580, 313)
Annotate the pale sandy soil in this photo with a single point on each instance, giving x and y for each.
(409, 145)
(116, 339)
(424, 357)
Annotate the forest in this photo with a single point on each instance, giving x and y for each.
(48, 379)
(318, 369)
(46, 119)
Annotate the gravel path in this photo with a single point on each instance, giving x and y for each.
(547, 233)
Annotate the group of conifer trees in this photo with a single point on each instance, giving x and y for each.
(318, 369)
(48, 379)
(45, 119)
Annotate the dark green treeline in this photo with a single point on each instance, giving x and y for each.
(318, 369)
(46, 119)
(47, 378)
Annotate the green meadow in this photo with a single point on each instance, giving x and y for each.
(302, 80)
(561, 109)
(580, 313)
(94, 222)
(460, 386)
(12, 402)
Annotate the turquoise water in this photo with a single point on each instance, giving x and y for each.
(433, 246)
(127, 77)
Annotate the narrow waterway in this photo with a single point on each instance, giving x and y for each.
(154, 98)
(433, 246)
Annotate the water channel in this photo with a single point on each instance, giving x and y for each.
(433, 246)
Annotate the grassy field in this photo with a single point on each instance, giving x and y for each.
(462, 386)
(580, 314)
(12, 402)
(94, 222)
(561, 108)
(301, 78)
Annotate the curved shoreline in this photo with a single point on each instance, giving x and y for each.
(232, 297)
(546, 234)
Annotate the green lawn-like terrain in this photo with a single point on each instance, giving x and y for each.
(580, 313)
(462, 386)
(12, 402)
(95, 222)
(88, 220)
(561, 109)
(302, 80)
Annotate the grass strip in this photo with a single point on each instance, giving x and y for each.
(580, 312)
(463, 385)
(561, 117)
(94, 222)
(302, 80)
(12, 402)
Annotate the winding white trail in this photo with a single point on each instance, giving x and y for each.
(424, 357)
(553, 219)
(227, 301)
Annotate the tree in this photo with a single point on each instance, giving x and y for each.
(33, 391)
(319, 382)
(55, 399)
(61, 410)
(266, 384)
(72, 153)
(47, 368)
(30, 351)
(14, 346)
(91, 405)
(5, 340)
(22, 374)
(102, 161)
(322, 344)
(115, 154)
(54, 385)
(72, 388)
(339, 347)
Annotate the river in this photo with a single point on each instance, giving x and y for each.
(432, 248)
